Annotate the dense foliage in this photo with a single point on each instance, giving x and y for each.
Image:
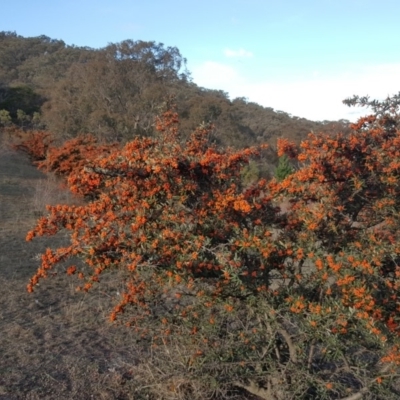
(284, 168)
(234, 289)
(115, 93)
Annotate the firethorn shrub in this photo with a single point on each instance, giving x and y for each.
(231, 292)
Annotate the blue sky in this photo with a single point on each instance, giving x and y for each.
(299, 56)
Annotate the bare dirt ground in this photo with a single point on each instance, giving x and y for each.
(55, 343)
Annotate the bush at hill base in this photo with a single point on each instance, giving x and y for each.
(230, 292)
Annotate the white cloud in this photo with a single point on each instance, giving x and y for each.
(317, 98)
(213, 75)
(238, 53)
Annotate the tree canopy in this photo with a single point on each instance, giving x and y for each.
(116, 92)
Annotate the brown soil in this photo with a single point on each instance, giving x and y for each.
(55, 343)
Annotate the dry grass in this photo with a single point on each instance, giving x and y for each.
(54, 343)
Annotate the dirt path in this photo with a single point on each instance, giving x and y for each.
(55, 343)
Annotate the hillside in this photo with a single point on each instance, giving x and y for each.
(115, 93)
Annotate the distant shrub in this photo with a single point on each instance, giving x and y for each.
(284, 168)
